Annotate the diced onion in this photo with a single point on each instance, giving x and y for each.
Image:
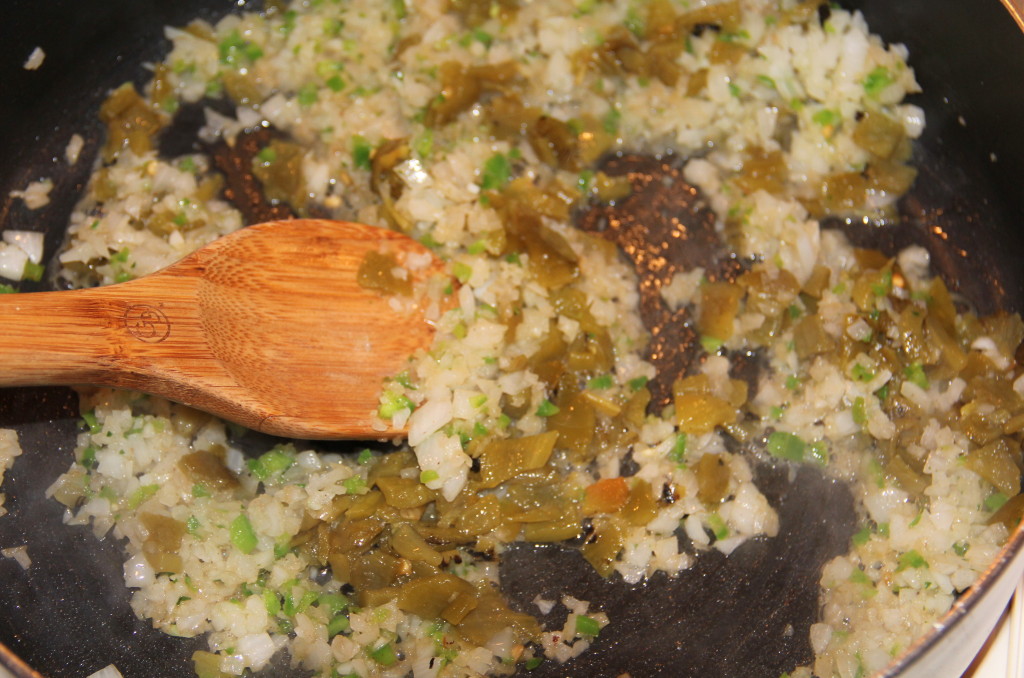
(35, 59)
(12, 261)
(108, 671)
(30, 242)
(19, 554)
(74, 148)
(257, 648)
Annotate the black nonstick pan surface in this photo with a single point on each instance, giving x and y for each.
(68, 615)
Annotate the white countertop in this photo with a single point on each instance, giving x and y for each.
(993, 661)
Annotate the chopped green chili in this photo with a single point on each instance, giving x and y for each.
(786, 446)
(910, 559)
(274, 462)
(547, 409)
(877, 80)
(860, 416)
(384, 655)
(496, 172)
(826, 117)
(637, 383)
(361, 152)
(354, 485)
(914, 372)
(242, 535)
(392, 403)
(718, 526)
(462, 272)
(587, 626)
(995, 501)
(89, 417)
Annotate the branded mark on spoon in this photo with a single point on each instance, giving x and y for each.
(147, 323)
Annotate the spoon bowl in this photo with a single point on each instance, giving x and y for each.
(268, 327)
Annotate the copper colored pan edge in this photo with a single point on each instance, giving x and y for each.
(1016, 9)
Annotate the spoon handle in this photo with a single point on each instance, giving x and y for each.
(108, 336)
(55, 337)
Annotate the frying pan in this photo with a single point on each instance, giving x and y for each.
(68, 615)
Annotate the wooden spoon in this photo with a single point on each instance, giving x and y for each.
(267, 327)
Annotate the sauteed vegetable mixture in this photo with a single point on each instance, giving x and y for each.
(546, 411)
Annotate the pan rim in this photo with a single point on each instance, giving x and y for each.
(1010, 557)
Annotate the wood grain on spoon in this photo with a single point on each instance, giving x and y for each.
(267, 327)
